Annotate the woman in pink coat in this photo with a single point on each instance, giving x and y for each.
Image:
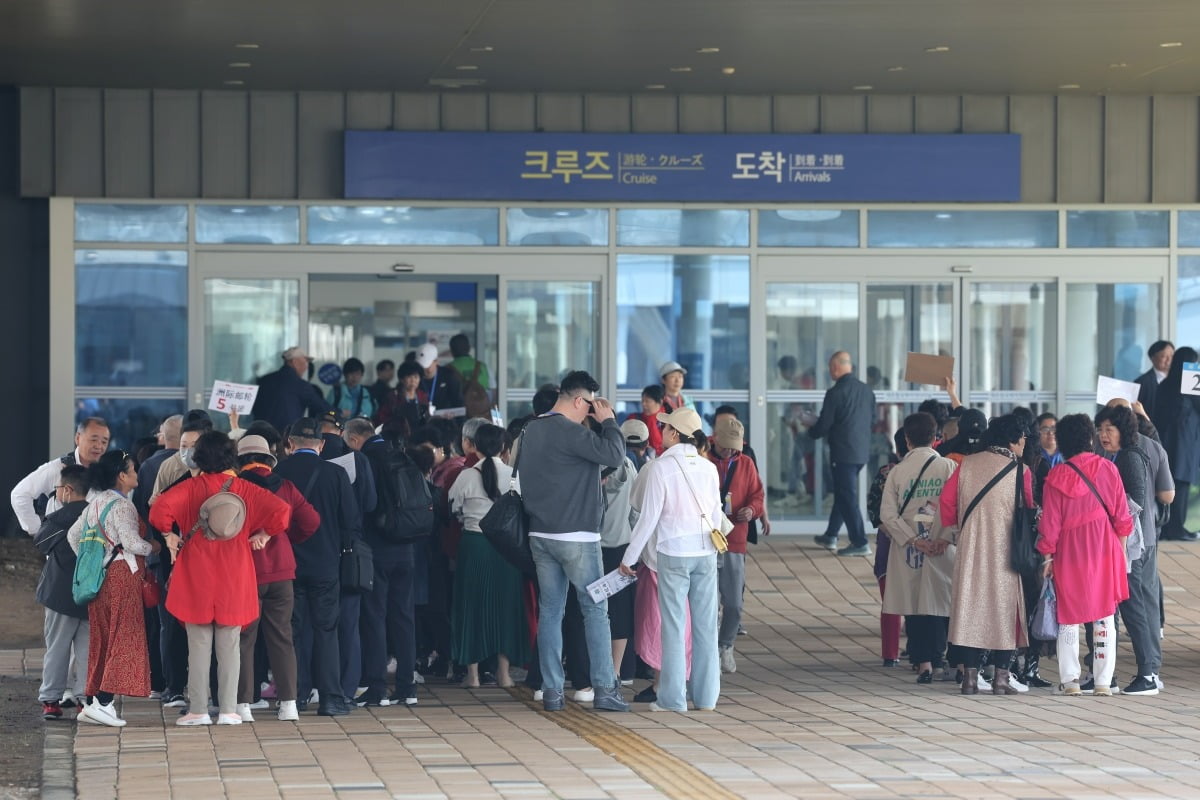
(1085, 521)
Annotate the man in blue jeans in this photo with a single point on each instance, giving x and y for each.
(559, 464)
(846, 417)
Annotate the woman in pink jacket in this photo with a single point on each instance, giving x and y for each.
(1085, 521)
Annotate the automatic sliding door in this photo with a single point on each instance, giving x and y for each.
(1013, 329)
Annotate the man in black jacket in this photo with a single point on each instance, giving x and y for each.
(388, 609)
(1161, 353)
(315, 616)
(846, 417)
(284, 395)
(66, 626)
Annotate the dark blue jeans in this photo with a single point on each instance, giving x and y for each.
(845, 504)
(389, 608)
(315, 633)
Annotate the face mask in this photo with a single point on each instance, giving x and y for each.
(187, 456)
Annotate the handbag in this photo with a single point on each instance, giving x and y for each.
(151, 590)
(719, 542)
(506, 525)
(1023, 555)
(1045, 616)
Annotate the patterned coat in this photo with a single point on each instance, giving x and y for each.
(917, 583)
(988, 607)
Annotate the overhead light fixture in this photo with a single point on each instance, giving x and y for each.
(728, 70)
(656, 86)
(941, 48)
(487, 48)
(942, 215)
(234, 83)
(865, 87)
(895, 69)
(1118, 65)
(466, 67)
(1171, 44)
(1068, 86)
(246, 46)
(681, 69)
(708, 50)
(239, 64)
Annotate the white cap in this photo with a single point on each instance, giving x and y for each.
(427, 354)
(669, 367)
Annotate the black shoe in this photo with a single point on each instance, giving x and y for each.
(1143, 685)
(1035, 681)
(891, 662)
(335, 706)
(826, 541)
(372, 698)
(647, 695)
(925, 677)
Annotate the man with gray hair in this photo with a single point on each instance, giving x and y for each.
(168, 433)
(34, 497)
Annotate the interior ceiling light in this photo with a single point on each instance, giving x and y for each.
(895, 69)
(681, 69)
(708, 50)
(1068, 86)
(466, 67)
(1118, 65)
(1171, 44)
(239, 64)
(656, 86)
(866, 87)
(487, 48)
(246, 46)
(728, 70)
(234, 83)
(941, 48)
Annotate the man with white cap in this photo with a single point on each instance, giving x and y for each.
(442, 385)
(284, 395)
(637, 442)
(672, 374)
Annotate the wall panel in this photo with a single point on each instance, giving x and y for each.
(369, 111)
(79, 142)
(701, 113)
(273, 131)
(463, 112)
(414, 111)
(607, 113)
(224, 144)
(1128, 123)
(655, 113)
(320, 120)
(1080, 149)
(559, 111)
(938, 114)
(513, 111)
(887, 113)
(36, 131)
(843, 113)
(1176, 123)
(985, 113)
(127, 127)
(795, 113)
(176, 131)
(1033, 118)
(748, 113)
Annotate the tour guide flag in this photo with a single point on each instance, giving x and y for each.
(775, 168)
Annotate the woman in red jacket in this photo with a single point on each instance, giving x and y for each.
(275, 566)
(213, 588)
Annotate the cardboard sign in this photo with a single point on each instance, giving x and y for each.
(1191, 378)
(228, 397)
(927, 369)
(1110, 388)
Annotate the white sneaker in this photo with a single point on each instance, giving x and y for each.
(230, 719)
(1015, 683)
(154, 695)
(983, 684)
(287, 711)
(537, 695)
(727, 662)
(1158, 681)
(104, 715)
(193, 720)
(264, 703)
(584, 695)
(314, 697)
(418, 677)
(243, 711)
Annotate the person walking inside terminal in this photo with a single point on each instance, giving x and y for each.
(672, 375)
(560, 477)
(441, 385)
(285, 396)
(350, 397)
(1085, 522)
(118, 661)
(845, 421)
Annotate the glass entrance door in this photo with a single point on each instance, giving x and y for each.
(1017, 339)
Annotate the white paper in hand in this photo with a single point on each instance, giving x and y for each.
(1110, 388)
(604, 588)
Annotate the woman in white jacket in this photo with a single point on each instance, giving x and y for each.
(681, 502)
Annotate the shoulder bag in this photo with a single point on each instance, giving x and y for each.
(1023, 555)
(987, 488)
(719, 542)
(356, 566)
(506, 525)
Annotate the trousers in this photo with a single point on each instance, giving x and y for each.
(845, 504)
(315, 632)
(1104, 656)
(1140, 613)
(683, 582)
(731, 580)
(66, 643)
(202, 640)
(927, 638)
(275, 602)
(389, 610)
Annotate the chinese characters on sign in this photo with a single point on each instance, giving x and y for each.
(228, 397)
(793, 167)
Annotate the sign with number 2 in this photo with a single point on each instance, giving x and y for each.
(1191, 378)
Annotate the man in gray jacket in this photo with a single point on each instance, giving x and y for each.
(560, 464)
(846, 417)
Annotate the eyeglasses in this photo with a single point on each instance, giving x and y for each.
(1047, 430)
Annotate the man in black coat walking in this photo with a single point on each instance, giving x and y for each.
(845, 420)
(284, 396)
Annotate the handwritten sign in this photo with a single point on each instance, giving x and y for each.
(1191, 378)
(228, 397)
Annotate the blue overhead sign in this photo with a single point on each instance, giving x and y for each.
(592, 167)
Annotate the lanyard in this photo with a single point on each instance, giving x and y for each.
(433, 386)
(304, 450)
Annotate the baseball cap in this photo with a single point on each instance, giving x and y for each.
(427, 354)
(306, 428)
(669, 367)
(683, 420)
(295, 352)
(635, 431)
(729, 432)
(253, 444)
(331, 418)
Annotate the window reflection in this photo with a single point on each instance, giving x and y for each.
(807, 227)
(1187, 293)
(901, 319)
(1123, 321)
(552, 330)
(558, 227)
(130, 317)
(806, 324)
(366, 225)
(962, 228)
(248, 224)
(133, 222)
(1118, 228)
(128, 419)
(1014, 332)
(248, 325)
(690, 309)
(674, 227)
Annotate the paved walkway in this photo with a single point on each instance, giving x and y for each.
(810, 713)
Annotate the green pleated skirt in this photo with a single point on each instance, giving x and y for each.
(488, 616)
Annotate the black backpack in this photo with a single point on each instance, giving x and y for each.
(405, 512)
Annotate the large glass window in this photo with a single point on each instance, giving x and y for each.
(903, 318)
(690, 309)
(1014, 336)
(553, 327)
(132, 222)
(1118, 228)
(248, 224)
(675, 227)
(806, 324)
(558, 227)
(1112, 327)
(129, 420)
(412, 225)
(130, 317)
(247, 326)
(807, 227)
(1187, 297)
(951, 228)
